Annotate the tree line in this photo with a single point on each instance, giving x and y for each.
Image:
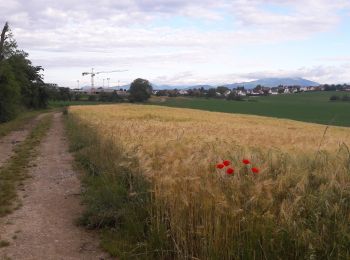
(21, 83)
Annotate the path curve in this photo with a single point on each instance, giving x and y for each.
(44, 227)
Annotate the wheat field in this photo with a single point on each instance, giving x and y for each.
(296, 207)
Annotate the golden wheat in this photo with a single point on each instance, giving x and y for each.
(302, 188)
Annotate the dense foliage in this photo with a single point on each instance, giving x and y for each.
(21, 83)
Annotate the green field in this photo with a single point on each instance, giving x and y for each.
(308, 107)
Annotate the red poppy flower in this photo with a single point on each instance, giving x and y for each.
(226, 163)
(220, 166)
(230, 171)
(246, 161)
(255, 170)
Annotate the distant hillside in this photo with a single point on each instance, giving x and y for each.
(158, 87)
(266, 82)
(274, 82)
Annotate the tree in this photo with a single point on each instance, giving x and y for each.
(9, 93)
(330, 88)
(3, 39)
(222, 89)
(211, 93)
(258, 88)
(140, 90)
(280, 90)
(8, 45)
(234, 96)
(29, 79)
(21, 83)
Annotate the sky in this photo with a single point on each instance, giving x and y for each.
(183, 42)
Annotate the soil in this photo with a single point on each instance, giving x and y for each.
(44, 227)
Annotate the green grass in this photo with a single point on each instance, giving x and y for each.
(312, 107)
(15, 170)
(18, 122)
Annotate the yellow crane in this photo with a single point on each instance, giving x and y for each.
(92, 73)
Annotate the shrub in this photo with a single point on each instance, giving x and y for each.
(334, 98)
(234, 96)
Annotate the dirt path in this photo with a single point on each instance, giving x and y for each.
(9, 142)
(44, 227)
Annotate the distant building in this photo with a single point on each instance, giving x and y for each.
(241, 93)
(183, 92)
(227, 92)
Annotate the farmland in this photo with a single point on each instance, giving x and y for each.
(152, 184)
(312, 107)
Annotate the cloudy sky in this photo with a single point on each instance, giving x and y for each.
(184, 41)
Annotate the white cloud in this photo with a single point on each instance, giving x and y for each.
(85, 33)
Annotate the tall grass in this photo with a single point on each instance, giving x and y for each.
(158, 165)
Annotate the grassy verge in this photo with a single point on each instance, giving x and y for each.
(116, 195)
(12, 173)
(18, 122)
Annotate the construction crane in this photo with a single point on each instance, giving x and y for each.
(93, 74)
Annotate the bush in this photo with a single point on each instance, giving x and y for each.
(345, 98)
(109, 97)
(77, 97)
(92, 98)
(334, 98)
(234, 96)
